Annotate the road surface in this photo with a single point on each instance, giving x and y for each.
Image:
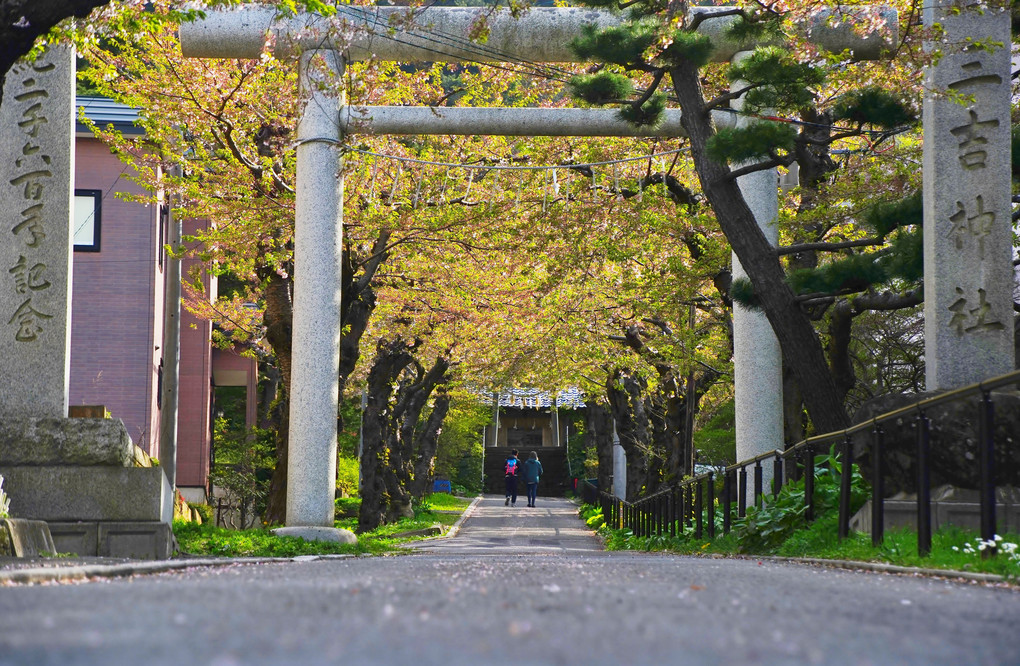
(516, 586)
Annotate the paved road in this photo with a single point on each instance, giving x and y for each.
(550, 527)
(459, 605)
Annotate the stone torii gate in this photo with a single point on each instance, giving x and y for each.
(541, 35)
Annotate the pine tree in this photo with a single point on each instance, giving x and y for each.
(660, 43)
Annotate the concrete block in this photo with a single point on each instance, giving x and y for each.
(136, 540)
(59, 441)
(80, 538)
(60, 493)
(965, 515)
(25, 538)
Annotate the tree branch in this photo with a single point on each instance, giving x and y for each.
(775, 161)
(725, 98)
(827, 247)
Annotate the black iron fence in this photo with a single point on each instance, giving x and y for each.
(691, 504)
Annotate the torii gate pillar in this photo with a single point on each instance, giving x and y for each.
(318, 240)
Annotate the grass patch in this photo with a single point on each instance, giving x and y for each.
(197, 539)
(214, 541)
(448, 502)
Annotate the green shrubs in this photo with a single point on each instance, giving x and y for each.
(346, 507)
(204, 511)
(592, 516)
(347, 470)
(765, 529)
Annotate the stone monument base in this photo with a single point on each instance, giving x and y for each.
(143, 540)
(84, 478)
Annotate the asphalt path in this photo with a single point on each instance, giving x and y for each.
(551, 527)
(532, 598)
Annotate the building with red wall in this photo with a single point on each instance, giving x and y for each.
(118, 297)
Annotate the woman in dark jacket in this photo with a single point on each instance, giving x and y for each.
(532, 470)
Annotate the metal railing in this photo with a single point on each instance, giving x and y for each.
(690, 504)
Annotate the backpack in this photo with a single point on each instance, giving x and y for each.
(511, 467)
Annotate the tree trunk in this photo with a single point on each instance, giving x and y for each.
(793, 409)
(802, 351)
(399, 451)
(406, 454)
(598, 433)
(427, 443)
(277, 318)
(627, 402)
(391, 359)
(841, 318)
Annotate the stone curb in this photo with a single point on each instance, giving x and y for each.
(454, 528)
(887, 568)
(452, 532)
(72, 573)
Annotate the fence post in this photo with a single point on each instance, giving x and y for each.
(757, 484)
(727, 489)
(923, 485)
(698, 510)
(777, 476)
(986, 441)
(742, 492)
(672, 511)
(711, 504)
(844, 487)
(877, 488)
(809, 483)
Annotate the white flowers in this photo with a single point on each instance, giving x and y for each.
(1005, 547)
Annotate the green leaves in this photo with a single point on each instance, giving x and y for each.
(742, 291)
(601, 88)
(766, 528)
(687, 47)
(873, 106)
(640, 44)
(780, 82)
(647, 114)
(885, 217)
(755, 142)
(759, 30)
(853, 273)
(622, 45)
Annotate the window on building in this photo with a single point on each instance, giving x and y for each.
(87, 218)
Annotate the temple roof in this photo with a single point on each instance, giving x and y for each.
(528, 398)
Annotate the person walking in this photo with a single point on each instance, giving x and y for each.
(532, 471)
(513, 466)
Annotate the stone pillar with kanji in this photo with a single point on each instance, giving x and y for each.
(968, 259)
